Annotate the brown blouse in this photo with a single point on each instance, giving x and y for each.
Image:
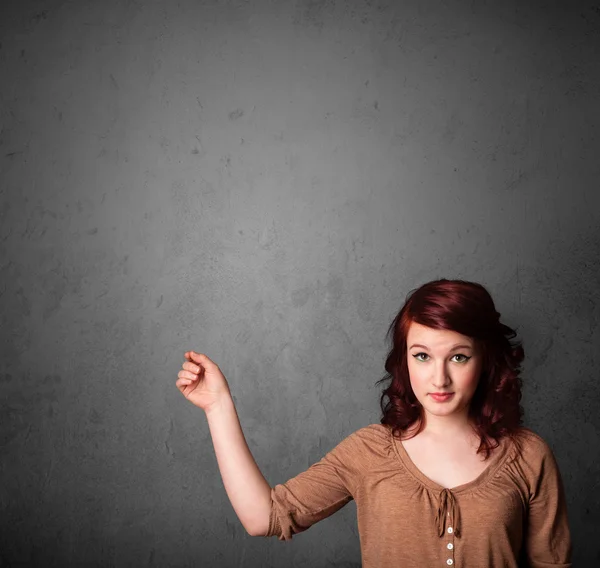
(513, 514)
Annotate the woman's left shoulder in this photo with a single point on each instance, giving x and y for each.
(531, 446)
(530, 437)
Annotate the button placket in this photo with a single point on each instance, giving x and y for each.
(448, 520)
(450, 547)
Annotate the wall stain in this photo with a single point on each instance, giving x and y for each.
(235, 114)
(301, 296)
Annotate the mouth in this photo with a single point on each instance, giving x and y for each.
(441, 396)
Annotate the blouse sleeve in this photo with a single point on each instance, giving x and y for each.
(548, 538)
(321, 490)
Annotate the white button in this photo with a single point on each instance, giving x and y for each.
(450, 546)
(449, 561)
(450, 529)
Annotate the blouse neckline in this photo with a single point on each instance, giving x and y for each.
(496, 460)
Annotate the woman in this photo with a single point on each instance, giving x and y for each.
(449, 477)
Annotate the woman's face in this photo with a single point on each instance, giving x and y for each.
(444, 368)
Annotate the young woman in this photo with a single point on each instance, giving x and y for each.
(448, 478)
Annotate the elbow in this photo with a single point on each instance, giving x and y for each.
(257, 531)
(260, 522)
(257, 521)
(257, 527)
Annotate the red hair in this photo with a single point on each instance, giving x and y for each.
(467, 308)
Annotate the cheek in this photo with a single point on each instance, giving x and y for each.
(471, 378)
(416, 375)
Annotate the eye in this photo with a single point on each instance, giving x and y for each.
(418, 355)
(464, 358)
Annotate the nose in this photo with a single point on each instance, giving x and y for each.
(441, 377)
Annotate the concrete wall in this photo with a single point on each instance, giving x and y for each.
(265, 181)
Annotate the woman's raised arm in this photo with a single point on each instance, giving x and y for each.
(202, 383)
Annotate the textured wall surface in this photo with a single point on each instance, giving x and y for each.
(265, 181)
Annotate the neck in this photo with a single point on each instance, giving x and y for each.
(447, 426)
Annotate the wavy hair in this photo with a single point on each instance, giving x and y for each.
(467, 308)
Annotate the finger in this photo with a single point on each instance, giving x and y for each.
(182, 383)
(191, 367)
(203, 360)
(187, 375)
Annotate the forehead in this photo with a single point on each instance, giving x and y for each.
(435, 338)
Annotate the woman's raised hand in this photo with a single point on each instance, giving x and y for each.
(201, 381)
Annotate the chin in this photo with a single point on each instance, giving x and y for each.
(440, 410)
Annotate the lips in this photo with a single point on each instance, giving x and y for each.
(441, 396)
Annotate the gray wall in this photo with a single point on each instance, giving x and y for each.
(265, 182)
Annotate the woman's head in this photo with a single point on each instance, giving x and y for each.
(439, 316)
(444, 367)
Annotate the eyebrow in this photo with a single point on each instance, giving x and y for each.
(459, 346)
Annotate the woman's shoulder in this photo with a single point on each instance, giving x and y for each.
(532, 449)
(369, 440)
(372, 435)
(375, 433)
(531, 442)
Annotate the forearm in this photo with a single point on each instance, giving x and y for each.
(246, 487)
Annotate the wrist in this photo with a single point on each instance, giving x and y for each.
(222, 405)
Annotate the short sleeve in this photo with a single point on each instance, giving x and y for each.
(548, 538)
(321, 490)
